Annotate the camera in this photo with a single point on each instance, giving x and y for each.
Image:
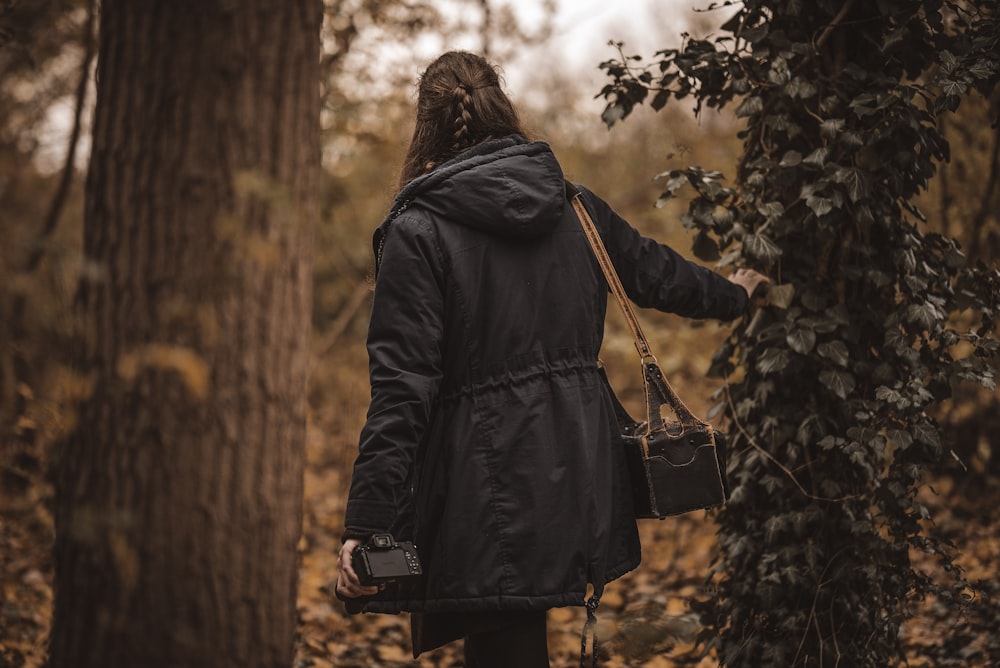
(382, 560)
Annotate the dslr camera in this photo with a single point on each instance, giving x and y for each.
(382, 560)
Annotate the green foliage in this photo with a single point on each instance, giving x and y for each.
(835, 377)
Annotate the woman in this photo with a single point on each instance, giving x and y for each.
(490, 439)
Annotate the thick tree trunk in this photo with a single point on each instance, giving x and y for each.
(179, 493)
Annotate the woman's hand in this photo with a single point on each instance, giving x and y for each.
(348, 584)
(748, 279)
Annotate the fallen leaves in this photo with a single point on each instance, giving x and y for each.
(644, 618)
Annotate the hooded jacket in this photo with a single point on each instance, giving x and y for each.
(490, 440)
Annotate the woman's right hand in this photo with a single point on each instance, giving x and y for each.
(348, 584)
(748, 279)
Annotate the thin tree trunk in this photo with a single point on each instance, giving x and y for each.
(179, 492)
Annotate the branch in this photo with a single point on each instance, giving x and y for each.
(812, 611)
(59, 200)
(979, 220)
(354, 302)
(841, 15)
(945, 197)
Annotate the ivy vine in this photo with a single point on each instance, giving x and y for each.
(871, 319)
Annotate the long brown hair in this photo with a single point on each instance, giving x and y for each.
(459, 104)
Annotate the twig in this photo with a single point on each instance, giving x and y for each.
(844, 9)
(772, 458)
(59, 200)
(354, 302)
(836, 645)
(812, 610)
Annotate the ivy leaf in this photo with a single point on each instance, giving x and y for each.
(801, 340)
(722, 215)
(829, 128)
(771, 210)
(750, 106)
(756, 33)
(675, 179)
(896, 340)
(612, 114)
(818, 157)
(814, 301)
(705, 248)
(835, 351)
(822, 324)
(948, 61)
(807, 428)
(801, 88)
(716, 410)
(925, 315)
(830, 442)
(790, 159)
(780, 295)
(855, 182)
(773, 359)
(900, 437)
(889, 395)
(840, 383)
(760, 247)
(819, 205)
(983, 70)
(925, 432)
(863, 105)
(660, 100)
(771, 483)
(953, 88)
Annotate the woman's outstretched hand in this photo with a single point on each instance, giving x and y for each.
(348, 584)
(748, 279)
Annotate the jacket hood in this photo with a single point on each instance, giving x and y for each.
(510, 187)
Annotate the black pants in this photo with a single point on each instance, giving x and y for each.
(522, 643)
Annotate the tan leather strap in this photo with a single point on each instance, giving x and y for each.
(641, 344)
(652, 375)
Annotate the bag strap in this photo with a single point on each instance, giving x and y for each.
(641, 344)
(658, 390)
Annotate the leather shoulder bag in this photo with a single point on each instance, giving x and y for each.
(676, 464)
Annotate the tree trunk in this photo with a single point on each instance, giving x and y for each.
(179, 493)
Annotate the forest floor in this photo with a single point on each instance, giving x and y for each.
(644, 618)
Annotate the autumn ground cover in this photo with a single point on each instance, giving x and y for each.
(645, 618)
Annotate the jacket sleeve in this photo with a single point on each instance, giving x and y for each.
(404, 352)
(656, 276)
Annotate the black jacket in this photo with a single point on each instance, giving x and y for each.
(490, 439)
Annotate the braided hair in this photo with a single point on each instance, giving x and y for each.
(463, 116)
(459, 104)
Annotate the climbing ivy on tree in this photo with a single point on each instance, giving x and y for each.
(870, 320)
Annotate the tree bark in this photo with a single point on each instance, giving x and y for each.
(178, 502)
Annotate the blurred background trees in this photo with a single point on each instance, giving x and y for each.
(45, 60)
(371, 51)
